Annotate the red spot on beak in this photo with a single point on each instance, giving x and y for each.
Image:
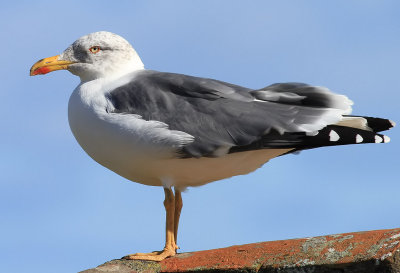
(41, 71)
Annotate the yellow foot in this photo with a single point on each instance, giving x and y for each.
(153, 253)
(153, 256)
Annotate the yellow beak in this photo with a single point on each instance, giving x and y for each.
(47, 65)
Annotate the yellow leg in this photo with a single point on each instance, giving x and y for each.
(169, 205)
(170, 245)
(178, 208)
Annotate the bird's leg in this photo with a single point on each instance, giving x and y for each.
(178, 208)
(169, 205)
(170, 245)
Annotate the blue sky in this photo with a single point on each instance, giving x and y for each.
(61, 210)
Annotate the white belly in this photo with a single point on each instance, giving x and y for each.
(131, 150)
(193, 172)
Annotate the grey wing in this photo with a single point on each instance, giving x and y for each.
(222, 116)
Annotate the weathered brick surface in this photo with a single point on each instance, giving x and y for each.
(359, 252)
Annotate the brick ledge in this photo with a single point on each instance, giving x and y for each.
(357, 252)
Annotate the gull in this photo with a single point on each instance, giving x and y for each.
(177, 131)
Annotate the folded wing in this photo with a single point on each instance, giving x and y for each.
(230, 118)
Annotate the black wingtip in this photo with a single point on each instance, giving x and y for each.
(378, 124)
(332, 135)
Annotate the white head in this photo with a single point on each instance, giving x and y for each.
(96, 55)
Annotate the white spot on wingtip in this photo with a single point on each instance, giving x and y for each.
(333, 136)
(359, 138)
(386, 139)
(392, 122)
(378, 139)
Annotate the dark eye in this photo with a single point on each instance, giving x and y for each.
(94, 49)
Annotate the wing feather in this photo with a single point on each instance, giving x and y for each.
(219, 114)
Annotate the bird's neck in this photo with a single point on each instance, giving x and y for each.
(99, 86)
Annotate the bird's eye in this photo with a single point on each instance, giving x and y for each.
(94, 49)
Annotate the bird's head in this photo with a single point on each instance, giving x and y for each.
(96, 55)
